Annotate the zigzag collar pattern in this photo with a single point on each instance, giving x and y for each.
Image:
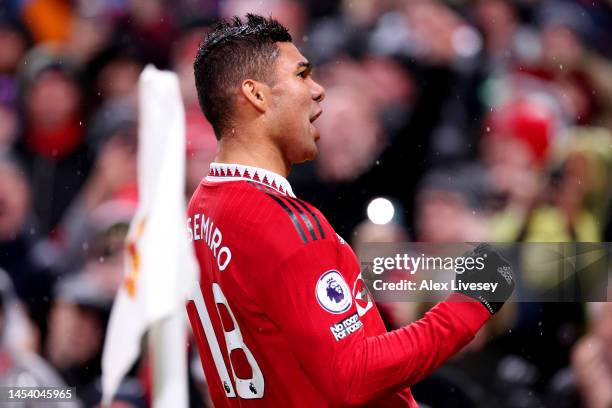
(220, 172)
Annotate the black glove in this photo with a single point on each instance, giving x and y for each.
(474, 282)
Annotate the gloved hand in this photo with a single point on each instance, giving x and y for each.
(496, 270)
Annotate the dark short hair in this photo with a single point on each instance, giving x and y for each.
(232, 52)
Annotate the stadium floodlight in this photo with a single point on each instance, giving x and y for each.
(380, 211)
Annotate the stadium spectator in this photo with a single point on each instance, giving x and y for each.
(18, 239)
(113, 181)
(19, 366)
(592, 358)
(200, 137)
(450, 205)
(77, 323)
(14, 43)
(52, 142)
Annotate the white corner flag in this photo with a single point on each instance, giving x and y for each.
(160, 265)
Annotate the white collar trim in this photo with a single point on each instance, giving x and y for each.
(220, 172)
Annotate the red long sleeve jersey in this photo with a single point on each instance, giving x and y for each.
(282, 317)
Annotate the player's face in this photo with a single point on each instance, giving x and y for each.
(295, 105)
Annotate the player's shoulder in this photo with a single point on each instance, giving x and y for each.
(289, 218)
(279, 221)
(261, 216)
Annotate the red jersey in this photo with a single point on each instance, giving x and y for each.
(283, 318)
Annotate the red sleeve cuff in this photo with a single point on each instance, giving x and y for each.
(470, 311)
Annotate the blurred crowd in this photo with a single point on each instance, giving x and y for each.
(480, 120)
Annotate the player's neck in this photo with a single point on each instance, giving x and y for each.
(234, 150)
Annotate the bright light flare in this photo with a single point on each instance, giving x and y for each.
(380, 211)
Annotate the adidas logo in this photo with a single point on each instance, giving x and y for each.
(506, 272)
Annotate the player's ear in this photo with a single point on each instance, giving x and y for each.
(253, 91)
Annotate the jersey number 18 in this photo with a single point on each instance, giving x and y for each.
(247, 388)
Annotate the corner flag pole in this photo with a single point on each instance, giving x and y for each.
(160, 265)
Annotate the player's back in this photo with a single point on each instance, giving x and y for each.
(282, 314)
(241, 231)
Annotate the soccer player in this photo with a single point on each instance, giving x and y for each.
(282, 317)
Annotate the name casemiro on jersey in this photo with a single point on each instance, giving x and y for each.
(204, 228)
